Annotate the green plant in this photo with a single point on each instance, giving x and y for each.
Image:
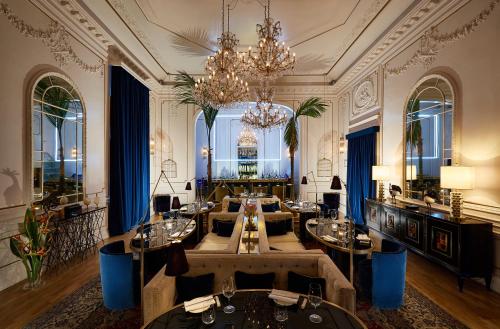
(31, 244)
(414, 138)
(312, 107)
(56, 103)
(184, 86)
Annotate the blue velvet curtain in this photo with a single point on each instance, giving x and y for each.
(361, 156)
(129, 151)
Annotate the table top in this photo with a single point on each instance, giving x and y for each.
(319, 230)
(160, 234)
(254, 305)
(301, 209)
(188, 211)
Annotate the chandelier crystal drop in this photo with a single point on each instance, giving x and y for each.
(224, 85)
(247, 137)
(272, 59)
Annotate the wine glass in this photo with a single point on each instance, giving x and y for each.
(280, 313)
(315, 298)
(208, 316)
(228, 289)
(333, 214)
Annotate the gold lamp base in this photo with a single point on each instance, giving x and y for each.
(381, 191)
(457, 203)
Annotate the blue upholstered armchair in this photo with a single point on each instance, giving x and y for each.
(383, 276)
(116, 276)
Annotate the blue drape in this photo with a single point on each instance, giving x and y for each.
(129, 151)
(361, 156)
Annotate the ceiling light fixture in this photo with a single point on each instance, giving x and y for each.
(247, 137)
(265, 115)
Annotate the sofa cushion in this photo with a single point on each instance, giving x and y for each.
(189, 287)
(225, 228)
(271, 207)
(300, 283)
(216, 221)
(233, 206)
(278, 227)
(254, 281)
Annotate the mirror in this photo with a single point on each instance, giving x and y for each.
(428, 138)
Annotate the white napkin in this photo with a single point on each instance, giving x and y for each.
(363, 237)
(313, 222)
(295, 207)
(183, 208)
(175, 235)
(284, 296)
(329, 238)
(199, 303)
(138, 236)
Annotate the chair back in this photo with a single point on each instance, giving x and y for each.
(279, 191)
(238, 190)
(332, 200)
(260, 189)
(117, 276)
(389, 275)
(161, 203)
(220, 193)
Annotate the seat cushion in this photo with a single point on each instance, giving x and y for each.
(300, 283)
(189, 287)
(254, 281)
(233, 206)
(271, 207)
(278, 227)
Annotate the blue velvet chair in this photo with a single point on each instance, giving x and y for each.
(117, 277)
(383, 276)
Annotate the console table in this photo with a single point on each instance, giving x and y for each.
(465, 247)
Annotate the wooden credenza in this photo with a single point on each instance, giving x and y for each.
(465, 247)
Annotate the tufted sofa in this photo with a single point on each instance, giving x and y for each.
(160, 292)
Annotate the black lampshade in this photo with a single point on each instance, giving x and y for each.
(336, 184)
(177, 263)
(176, 204)
(188, 186)
(304, 180)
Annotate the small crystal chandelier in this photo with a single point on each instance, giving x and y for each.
(265, 115)
(271, 60)
(247, 137)
(225, 68)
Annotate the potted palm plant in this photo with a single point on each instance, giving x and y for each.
(312, 107)
(184, 86)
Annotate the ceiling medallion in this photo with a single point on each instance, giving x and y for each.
(272, 59)
(247, 137)
(265, 115)
(225, 69)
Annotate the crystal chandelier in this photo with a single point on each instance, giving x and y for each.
(225, 69)
(265, 115)
(271, 59)
(247, 137)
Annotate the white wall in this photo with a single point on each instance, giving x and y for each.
(22, 59)
(472, 64)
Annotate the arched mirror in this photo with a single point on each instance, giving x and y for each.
(428, 137)
(57, 139)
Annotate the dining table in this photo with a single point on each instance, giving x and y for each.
(255, 310)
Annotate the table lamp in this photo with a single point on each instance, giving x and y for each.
(457, 178)
(380, 173)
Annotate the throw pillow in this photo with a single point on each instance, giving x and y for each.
(278, 227)
(270, 207)
(253, 281)
(233, 206)
(300, 283)
(189, 287)
(225, 228)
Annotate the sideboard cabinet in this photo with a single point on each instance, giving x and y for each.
(465, 247)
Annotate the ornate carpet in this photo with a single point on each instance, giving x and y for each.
(84, 309)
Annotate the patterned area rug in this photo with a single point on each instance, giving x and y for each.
(84, 309)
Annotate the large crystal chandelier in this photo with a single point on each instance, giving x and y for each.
(272, 59)
(225, 69)
(265, 115)
(247, 137)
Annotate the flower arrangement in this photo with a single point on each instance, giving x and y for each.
(250, 210)
(31, 245)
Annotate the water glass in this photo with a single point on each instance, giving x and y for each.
(321, 215)
(280, 313)
(228, 289)
(208, 316)
(315, 299)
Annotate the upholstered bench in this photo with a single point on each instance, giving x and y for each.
(215, 242)
(160, 293)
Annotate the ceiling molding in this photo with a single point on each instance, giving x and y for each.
(409, 29)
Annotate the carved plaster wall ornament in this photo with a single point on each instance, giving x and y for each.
(365, 96)
(55, 38)
(432, 42)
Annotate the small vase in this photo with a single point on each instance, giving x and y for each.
(34, 281)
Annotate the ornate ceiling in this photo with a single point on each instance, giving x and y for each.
(168, 36)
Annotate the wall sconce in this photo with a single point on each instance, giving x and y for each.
(74, 152)
(342, 144)
(204, 152)
(151, 146)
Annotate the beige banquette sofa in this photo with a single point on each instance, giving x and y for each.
(160, 293)
(220, 244)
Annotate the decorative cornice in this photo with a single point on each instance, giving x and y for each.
(432, 42)
(55, 38)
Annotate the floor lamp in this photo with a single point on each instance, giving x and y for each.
(337, 185)
(304, 182)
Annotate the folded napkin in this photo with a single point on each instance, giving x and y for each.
(295, 207)
(329, 238)
(284, 296)
(313, 222)
(198, 304)
(175, 235)
(138, 236)
(183, 208)
(363, 237)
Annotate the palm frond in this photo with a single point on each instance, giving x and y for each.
(311, 107)
(210, 113)
(290, 134)
(60, 98)
(184, 85)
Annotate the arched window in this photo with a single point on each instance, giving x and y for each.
(57, 139)
(428, 137)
